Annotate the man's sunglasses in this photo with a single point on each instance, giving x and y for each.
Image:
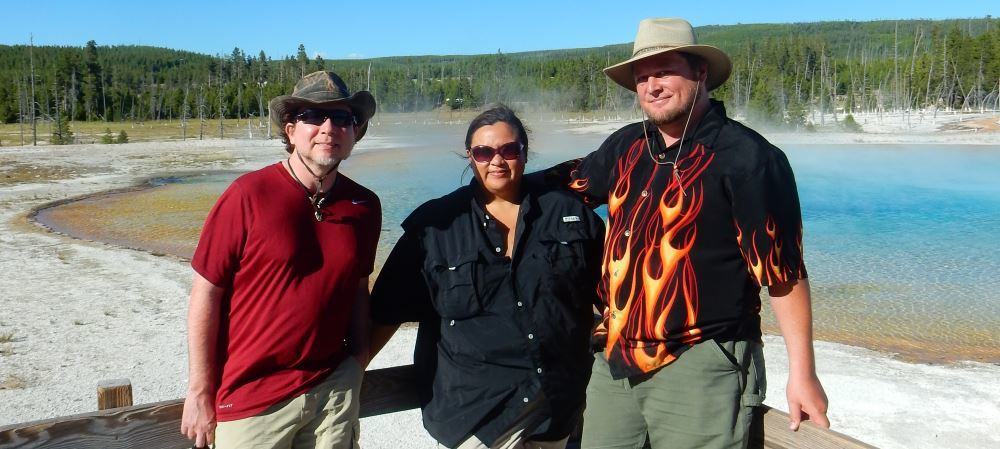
(485, 153)
(316, 117)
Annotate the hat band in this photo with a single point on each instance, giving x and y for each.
(645, 50)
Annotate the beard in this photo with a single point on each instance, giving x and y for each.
(665, 117)
(669, 116)
(325, 161)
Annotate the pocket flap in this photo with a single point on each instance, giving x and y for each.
(455, 294)
(564, 236)
(450, 262)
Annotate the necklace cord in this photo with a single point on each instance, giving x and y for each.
(680, 146)
(315, 200)
(314, 175)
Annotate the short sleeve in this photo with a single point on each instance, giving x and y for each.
(220, 247)
(369, 235)
(595, 258)
(589, 177)
(769, 222)
(400, 294)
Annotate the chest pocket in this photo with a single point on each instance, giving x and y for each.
(454, 278)
(564, 251)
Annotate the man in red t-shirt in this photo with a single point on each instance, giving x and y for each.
(278, 316)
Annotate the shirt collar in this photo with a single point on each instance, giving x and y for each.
(479, 209)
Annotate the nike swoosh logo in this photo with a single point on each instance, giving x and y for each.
(359, 201)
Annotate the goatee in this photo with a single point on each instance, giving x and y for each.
(326, 162)
(668, 117)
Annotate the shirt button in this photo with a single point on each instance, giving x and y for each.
(628, 233)
(452, 323)
(661, 156)
(539, 371)
(525, 400)
(531, 336)
(520, 304)
(645, 193)
(497, 249)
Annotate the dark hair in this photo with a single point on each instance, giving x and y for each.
(286, 117)
(498, 113)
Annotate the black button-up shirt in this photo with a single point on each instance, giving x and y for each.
(688, 249)
(496, 333)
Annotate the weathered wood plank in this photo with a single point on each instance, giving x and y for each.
(114, 393)
(154, 426)
(775, 434)
(157, 426)
(389, 390)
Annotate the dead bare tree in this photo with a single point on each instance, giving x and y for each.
(864, 78)
(895, 69)
(185, 111)
(822, 88)
(930, 75)
(751, 62)
(979, 84)
(944, 74)
(909, 80)
(201, 109)
(222, 111)
(34, 121)
(21, 103)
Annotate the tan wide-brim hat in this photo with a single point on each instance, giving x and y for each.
(659, 36)
(321, 89)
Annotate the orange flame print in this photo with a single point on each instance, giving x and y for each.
(771, 267)
(656, 269)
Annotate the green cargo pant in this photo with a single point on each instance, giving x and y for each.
(705, 399)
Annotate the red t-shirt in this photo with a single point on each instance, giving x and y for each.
(290, 283)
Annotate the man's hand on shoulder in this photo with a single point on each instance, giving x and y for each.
(198, 420)
(806, 401)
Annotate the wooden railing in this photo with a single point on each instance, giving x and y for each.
(389, 390)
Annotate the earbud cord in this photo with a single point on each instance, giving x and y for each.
(680, 147)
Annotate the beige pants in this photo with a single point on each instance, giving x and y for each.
(517, 436)
(324, 417)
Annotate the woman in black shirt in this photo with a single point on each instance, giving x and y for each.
(501, 275)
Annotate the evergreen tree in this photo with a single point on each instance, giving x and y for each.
(303, 60)
(92, 90)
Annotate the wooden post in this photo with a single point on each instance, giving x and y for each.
(114, 393)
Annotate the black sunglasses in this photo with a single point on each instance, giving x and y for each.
(485, 153)
(316, 117)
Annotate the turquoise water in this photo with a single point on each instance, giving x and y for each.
(899, 239)
(904, 236)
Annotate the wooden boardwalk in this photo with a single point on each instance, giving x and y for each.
(157, 426)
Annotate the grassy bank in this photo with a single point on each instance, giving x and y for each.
(14, 134)
(92, 132)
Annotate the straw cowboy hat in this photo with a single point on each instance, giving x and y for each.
(319, 89)
(659, 36)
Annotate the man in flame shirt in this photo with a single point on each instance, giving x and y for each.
(702, 213)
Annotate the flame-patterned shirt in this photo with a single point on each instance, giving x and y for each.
(686, 253)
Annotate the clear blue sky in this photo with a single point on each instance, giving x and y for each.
(339, 29)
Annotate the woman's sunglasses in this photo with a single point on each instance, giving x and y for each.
(316, 117)
(485, 153)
